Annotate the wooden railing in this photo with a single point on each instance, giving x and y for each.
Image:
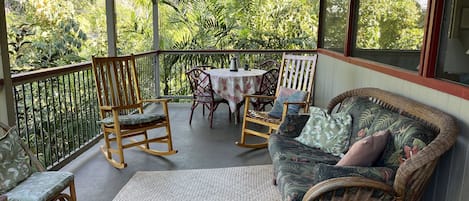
(56, 108)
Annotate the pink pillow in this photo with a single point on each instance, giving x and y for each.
(365, 151)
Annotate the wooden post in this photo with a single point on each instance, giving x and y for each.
(156, 46)
(111, 28)
(7, 106)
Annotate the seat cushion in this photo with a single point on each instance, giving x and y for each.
(40, 186)
(135, 119)
(262, 116)
(14, 162)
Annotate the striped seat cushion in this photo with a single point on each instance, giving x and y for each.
(263, 116)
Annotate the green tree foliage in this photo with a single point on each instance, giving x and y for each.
(390, 24)
(43, 33)
(247, 24)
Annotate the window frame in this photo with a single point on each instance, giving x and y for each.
(428, 55)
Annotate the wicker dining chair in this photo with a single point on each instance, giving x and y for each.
(23, 175)
(203, 93)
(267, 87)
(121, 110)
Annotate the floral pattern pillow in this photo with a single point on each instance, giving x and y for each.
(14, 162)
(287, 95)
(328, 132)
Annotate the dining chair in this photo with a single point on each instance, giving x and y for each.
(121, 110)
(267, 87)
(294, 88)
(23, 177)
(203, 93)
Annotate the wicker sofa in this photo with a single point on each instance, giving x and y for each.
(419, 136)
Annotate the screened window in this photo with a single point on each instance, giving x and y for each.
(390, 32)
(335, 24)
(453, 55)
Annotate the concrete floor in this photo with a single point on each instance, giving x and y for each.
(198, 146)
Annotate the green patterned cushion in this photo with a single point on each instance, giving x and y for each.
(408, 137)
(14, 162)
(329, 133)
(292, 125)
(327, 171)
(40, 186)
(134, 119)
(363, 112)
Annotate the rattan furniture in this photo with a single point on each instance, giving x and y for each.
(420, 135)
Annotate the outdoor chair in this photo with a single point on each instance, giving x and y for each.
(23, 177)
(203, 93)
(294, 89)
(268, 87)
(121, 110)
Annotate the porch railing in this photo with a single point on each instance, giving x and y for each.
(56, 108)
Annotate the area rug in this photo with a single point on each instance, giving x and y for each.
(234, 183)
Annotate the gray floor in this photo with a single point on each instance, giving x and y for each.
(198, 146)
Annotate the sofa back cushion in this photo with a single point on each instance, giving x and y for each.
(14, 162)
(363, 112)
(408, 135)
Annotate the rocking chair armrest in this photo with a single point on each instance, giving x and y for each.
(158, 100)
(340, 184)
(109, 108)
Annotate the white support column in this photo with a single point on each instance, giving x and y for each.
(156, 46)
(7, 106)
(111, 28)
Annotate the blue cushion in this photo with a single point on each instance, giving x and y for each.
(287, 95)
(40, 186)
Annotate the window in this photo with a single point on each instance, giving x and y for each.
(453, 55)
(390, 32)
(335, 24)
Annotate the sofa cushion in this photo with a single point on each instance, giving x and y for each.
(407, 138)
(14, 162)
(365, 151)
(294, 179)
(286, 148)
(328, 132)
(326, 171)
(41, 186)
(292, 125)
(287, 95)
(363, 112)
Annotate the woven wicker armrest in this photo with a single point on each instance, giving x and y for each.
(349, 188)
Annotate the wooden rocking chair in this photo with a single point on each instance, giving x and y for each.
(121, 110)
(296, 73)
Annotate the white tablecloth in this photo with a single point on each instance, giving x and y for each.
(233, 85)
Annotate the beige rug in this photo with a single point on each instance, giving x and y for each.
(235, 183)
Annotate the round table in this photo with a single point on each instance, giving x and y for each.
(233, 85)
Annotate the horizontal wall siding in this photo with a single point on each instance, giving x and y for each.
(451, 178)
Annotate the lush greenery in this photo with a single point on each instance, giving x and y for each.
(45, 33)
